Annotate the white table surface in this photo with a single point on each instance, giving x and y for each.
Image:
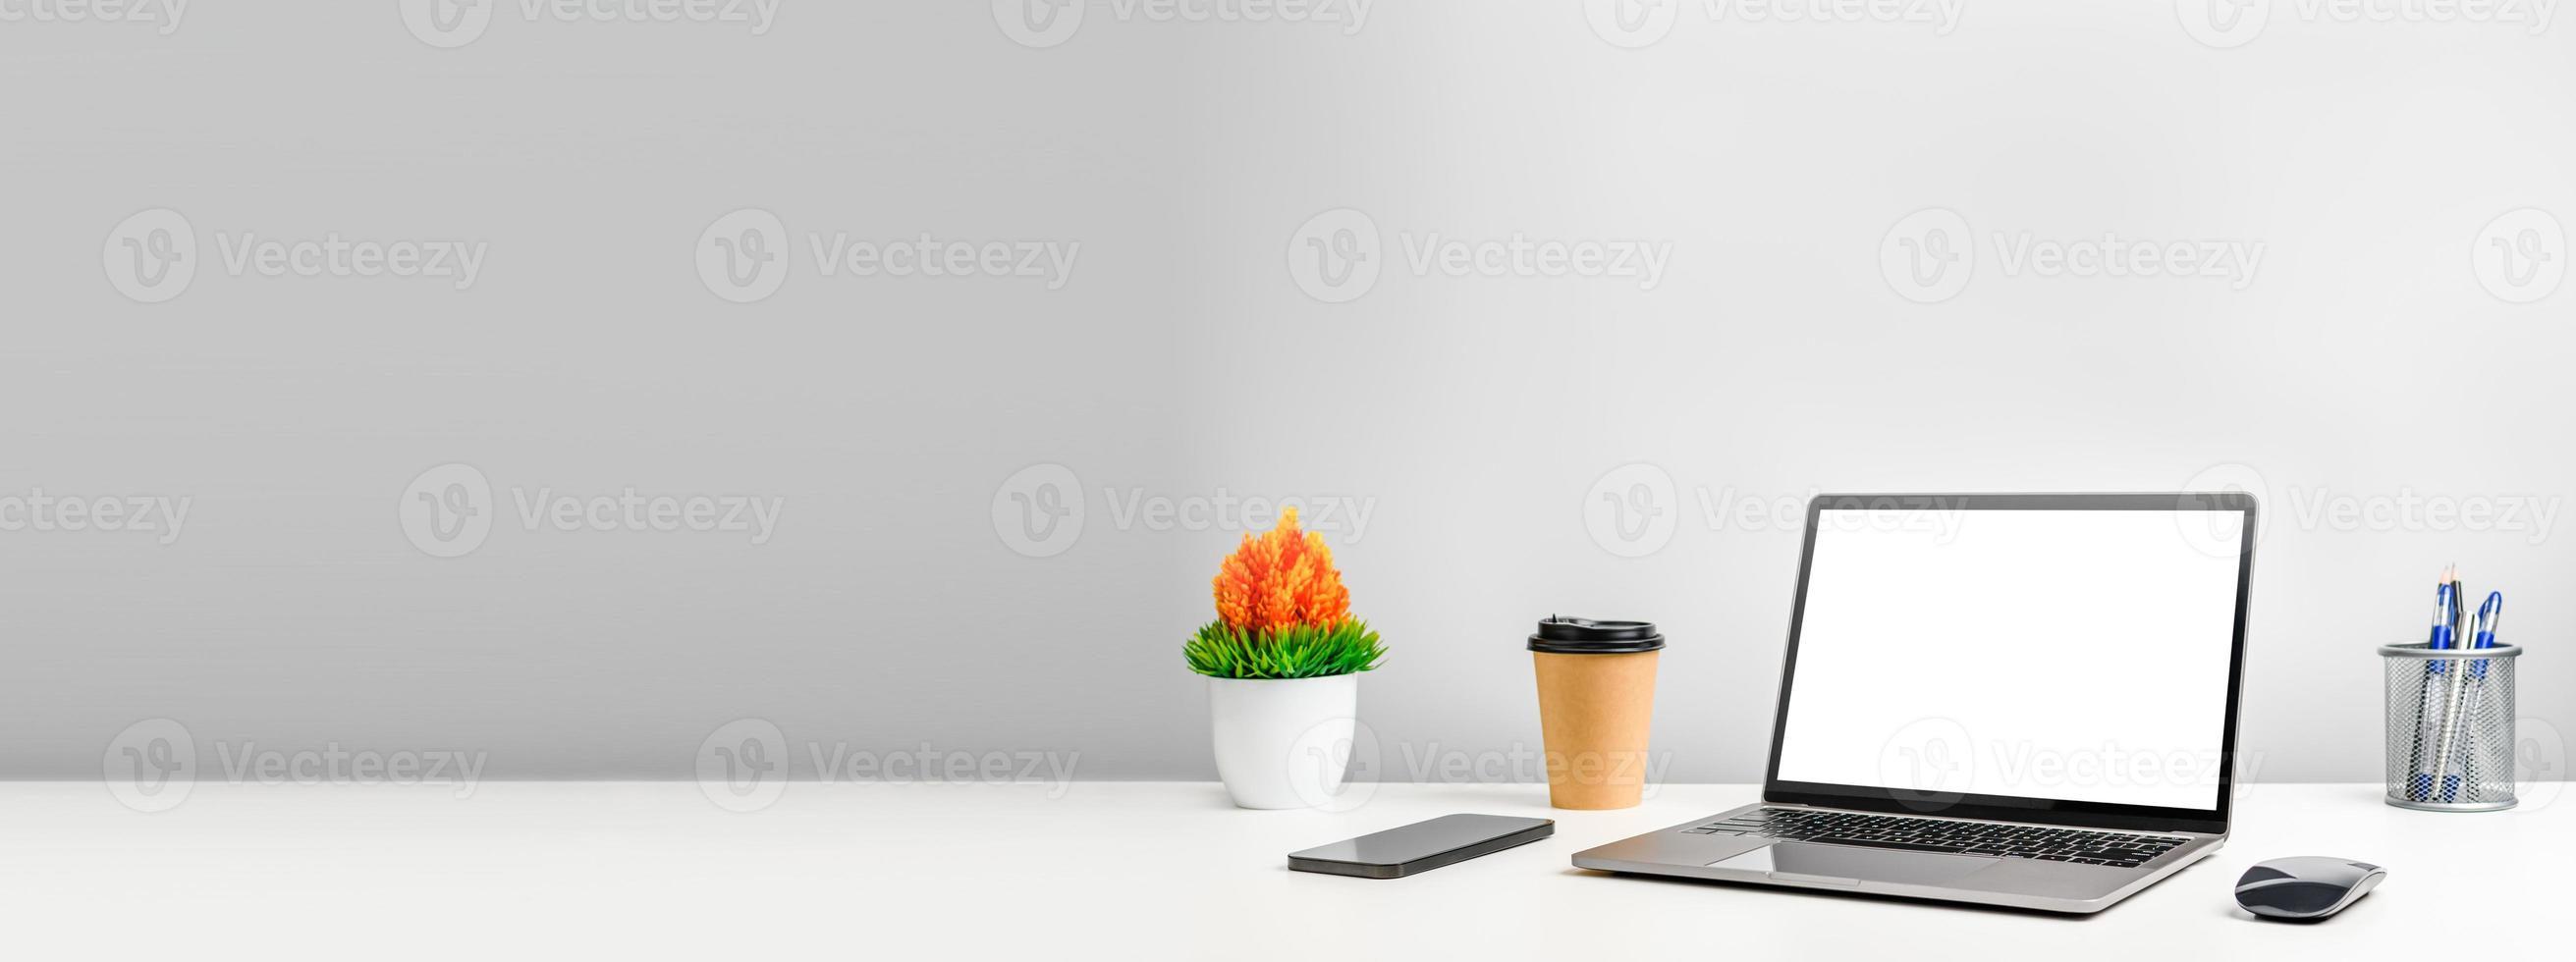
(1124, 870)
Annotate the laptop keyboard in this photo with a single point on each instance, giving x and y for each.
(1908, 834)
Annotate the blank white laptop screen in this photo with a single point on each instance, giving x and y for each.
(2073, 655)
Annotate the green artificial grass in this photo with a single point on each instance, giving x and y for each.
(1301, 651)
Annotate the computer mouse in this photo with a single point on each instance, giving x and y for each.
(2305, 888)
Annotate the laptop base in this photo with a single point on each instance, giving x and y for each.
(2047, 886)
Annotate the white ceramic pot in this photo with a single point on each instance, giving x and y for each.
(1283, 742)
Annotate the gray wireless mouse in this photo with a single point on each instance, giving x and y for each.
(2306, 888)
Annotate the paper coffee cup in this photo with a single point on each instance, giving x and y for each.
(1596, 701)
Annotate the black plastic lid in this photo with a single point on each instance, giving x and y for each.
(1583, 636)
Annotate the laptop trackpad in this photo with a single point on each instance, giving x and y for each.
(1848, 865)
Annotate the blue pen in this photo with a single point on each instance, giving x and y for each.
(2428, 709)
(2483, 636)
(2455, 707)
(2489, 613)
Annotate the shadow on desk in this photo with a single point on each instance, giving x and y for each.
(2359, 906)
(1927, 904)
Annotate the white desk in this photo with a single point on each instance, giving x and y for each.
(1123, 870)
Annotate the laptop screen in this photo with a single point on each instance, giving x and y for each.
(2067, 655)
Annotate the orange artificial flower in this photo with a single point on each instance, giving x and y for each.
(1284, 578)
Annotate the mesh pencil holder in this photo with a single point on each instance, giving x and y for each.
(2450, 727)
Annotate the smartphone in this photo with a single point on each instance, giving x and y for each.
(1421, 846)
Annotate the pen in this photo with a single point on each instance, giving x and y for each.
(2455, 689)
(2490, 613)
(2428, 707)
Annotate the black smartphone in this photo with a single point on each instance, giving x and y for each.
(1421, 846)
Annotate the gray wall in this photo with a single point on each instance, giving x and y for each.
(2374, 358)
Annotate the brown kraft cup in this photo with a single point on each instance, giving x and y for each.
(1596, 701)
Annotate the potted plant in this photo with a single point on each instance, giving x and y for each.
(1283, 660)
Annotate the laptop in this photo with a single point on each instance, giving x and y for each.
(2023, 700)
